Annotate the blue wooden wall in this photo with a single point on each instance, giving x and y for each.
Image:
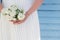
(49, 16)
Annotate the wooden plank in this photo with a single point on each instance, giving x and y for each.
(51, 34)
(49, 7)
(51, 1)
(49, 14)
(50, 38)
(50, 26)
(49, 20)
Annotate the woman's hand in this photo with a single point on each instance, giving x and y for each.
(20, 21)
(34, 6)
(1, 7)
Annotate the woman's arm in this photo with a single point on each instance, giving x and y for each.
(34, 6)
(1, 7)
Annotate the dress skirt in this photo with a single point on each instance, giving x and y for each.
(29, 30)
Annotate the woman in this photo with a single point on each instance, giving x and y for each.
(28, 29)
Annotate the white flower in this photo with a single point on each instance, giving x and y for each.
(7, 17)
(13, 13)
(5, 11)
(13, 7)
(21, 16)
(10, 18)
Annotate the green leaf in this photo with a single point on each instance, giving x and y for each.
(17, 11)
(10, 10)
(22, 11)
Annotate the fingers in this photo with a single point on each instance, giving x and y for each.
(17, 21)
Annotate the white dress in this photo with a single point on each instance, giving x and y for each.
(29, 30)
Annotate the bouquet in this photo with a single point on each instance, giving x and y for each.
(13, 13)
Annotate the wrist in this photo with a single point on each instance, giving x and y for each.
(27, 14)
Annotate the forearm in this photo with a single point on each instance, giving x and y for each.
(1, 7)
(34, 6)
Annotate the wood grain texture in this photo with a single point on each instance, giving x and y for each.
(49, 16)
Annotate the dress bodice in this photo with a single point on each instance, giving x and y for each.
(26, 4)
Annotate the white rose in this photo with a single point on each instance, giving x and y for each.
(13, 7)
(7, 17)
(21, 16)
(13, 13)
(5, 11)
(10, 18)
